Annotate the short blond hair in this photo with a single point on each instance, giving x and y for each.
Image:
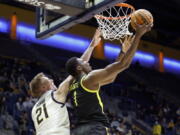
(35, 85)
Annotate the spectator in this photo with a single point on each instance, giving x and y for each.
(157, 129)
(27, 104)
(23, 123)
(178, 127)
(115, 123)
(3, 107)
(129, 132)
(1, 123)
(8, 121)
(19, 104)
(171, 124)
(170, 129)
(178, 111)
(164, 125)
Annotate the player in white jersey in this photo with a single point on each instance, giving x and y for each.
(44, 109)
(49, 114)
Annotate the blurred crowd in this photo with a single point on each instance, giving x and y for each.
(16, 103)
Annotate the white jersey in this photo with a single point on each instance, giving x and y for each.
(50, 117)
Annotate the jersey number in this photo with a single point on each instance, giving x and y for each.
(39, 112)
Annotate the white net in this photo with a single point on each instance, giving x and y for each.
(114, 22)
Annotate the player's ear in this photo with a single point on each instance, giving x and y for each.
(78, 68)
(42, 87)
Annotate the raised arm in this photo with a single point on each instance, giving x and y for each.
(97, 78)
(104, 76)
(63, 88)
(125, 47)
(134, 41)
(95, 41)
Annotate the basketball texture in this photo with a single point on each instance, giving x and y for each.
(141, 16)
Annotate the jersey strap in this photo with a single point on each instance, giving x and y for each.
(86, 89)
(52, 95)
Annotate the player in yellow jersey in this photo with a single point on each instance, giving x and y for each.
(86, 88)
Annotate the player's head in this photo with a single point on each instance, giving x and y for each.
(76, 66)
(40, 84)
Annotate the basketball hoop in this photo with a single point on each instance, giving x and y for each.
(114, 22)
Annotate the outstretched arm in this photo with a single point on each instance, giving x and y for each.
(95, 41)
(125, 47)
(63, 88)
(104, 76)
(140, 31)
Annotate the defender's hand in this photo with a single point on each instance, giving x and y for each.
(96, 38)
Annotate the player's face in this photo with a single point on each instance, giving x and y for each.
(85, 66)
(48, 84)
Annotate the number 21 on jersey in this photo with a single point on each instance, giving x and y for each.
(41, 113)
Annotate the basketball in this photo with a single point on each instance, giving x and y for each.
(141, 16)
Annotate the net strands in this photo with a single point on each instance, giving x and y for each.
(114, 22)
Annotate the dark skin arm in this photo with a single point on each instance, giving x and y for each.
(100, 77)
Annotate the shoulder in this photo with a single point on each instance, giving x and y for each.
(94, 74)
(88, 84)
(65, 85)
(57, 99)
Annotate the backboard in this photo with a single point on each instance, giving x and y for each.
(53, 16)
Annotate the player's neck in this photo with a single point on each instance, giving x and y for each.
(81, 75)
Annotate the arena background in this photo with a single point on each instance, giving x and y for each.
(142, 97)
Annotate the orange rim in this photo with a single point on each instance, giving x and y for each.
(116, 18)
